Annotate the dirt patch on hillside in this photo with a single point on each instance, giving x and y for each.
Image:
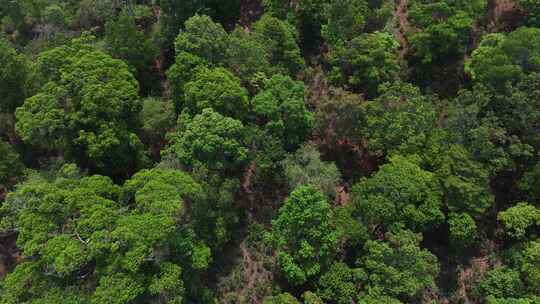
(402, 16)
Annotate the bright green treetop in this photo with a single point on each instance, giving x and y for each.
(339, 284)
(398, 267)
(211, 140)
(365, 62)
(304, 234)
(400, 120)
(217, 89)
(117, 237)
(505, 58)
(202, 37)
(282, 108)
(517, 219)
(530, 267)
(284, 298)
(279, 38)
(88, 110)
(400, 192)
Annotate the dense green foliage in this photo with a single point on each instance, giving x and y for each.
(419, 204)
(87, 109)
(304, 235)
(270, 151)
(13, 76)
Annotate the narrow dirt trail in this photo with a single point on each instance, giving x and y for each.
(504, 15)
(503, 7)
(402, 15)
(249, 273)
(255, 276)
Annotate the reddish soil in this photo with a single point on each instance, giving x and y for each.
(503, 7)
(254, 275)
(342, 196)
(471, 275)
(249, 272)
(504, 15)
(404, 26)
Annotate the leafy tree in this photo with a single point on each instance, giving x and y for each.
(13, 20)
(530, 183)
(352, 230)
(284, 298)
(472, 123)
(247, 56)
(175, 12)
(465, 182)
(218, 89)
(114, 238)
(203, 43)
(50, 62)
(493, 300)
(345, 20)
(400, 192)
(530, 267)
(158, 118)
(400, 120)
(311, 298)
(306, 15)
(14, 74)
(168, 284)
(180, 73)
(305, 167)
(215, 217)
(501, 58)
(204, 38)
(282, 110)
(485, 123)
(268, 151)
(370, 299)
(304, 234)
(338, 284)
(532, 8)
(125, 41)
(517, 219)
(522, 101)
(279, 38)
(398, 267)
(365, 62)
(463, 231)
(338, 117)
(210, 140)
(54, 15)
(490, 65)
(501, 282)
(90, 113)
(440, 39)
(10, 167)
(117, 289)
(95, 12)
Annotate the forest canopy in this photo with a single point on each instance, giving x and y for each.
(269, 151)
